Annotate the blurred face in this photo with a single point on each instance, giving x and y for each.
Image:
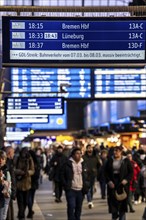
(38, 152)
(60, 150)
(24, 152)
(2, 161)
(77, 156)
(117, 153)
(90, 150)
(104, 155)
(10, 153)
(129, 156)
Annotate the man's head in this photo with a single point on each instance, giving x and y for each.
(59, 149)
(76, 154)
(89, 149)
(10, 152)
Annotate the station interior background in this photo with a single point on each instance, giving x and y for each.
(109, 121)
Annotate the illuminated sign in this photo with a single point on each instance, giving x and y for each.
(34, 106)
(56, 122)
(119, 83)
(75, 82)
(72, 40)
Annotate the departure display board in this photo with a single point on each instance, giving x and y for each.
(119, 83)
(12, 119)
(13, 134)
(55, 122)
(73, 40)
(74, 83)
(34, 106)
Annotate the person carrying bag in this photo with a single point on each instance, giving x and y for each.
(118, 172)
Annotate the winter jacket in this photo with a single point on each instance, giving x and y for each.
(67, 176)
(56, 163)
(126, 173)
(93, 164)
(26, 164)
(134, 180)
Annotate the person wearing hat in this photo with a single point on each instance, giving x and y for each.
(118, 172)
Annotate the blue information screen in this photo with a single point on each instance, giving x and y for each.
(34, 106)
(75, 82)
(65, 41)
(119, 83)
(56, 122)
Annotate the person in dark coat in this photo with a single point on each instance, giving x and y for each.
(101, 175)
(76, 184)
(34, 183)
(119, 172)
(93, 164)
(55, 163)
(24, 170)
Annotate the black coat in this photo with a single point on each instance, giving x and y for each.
(56, 163)
(93, 164)
(67, 176)
(126, 172)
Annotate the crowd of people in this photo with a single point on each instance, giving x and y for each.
(121, 175)
(20, 174)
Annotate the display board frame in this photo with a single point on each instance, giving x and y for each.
(88, 56)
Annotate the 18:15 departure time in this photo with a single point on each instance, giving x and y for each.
(36, 25)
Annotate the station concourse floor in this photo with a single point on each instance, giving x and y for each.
(45, 207)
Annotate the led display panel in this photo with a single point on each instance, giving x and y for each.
(56, 122)
(67, 41)
(119, 83)
(32, 109)
(34, 106)
(74, 83)
(13, 134)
